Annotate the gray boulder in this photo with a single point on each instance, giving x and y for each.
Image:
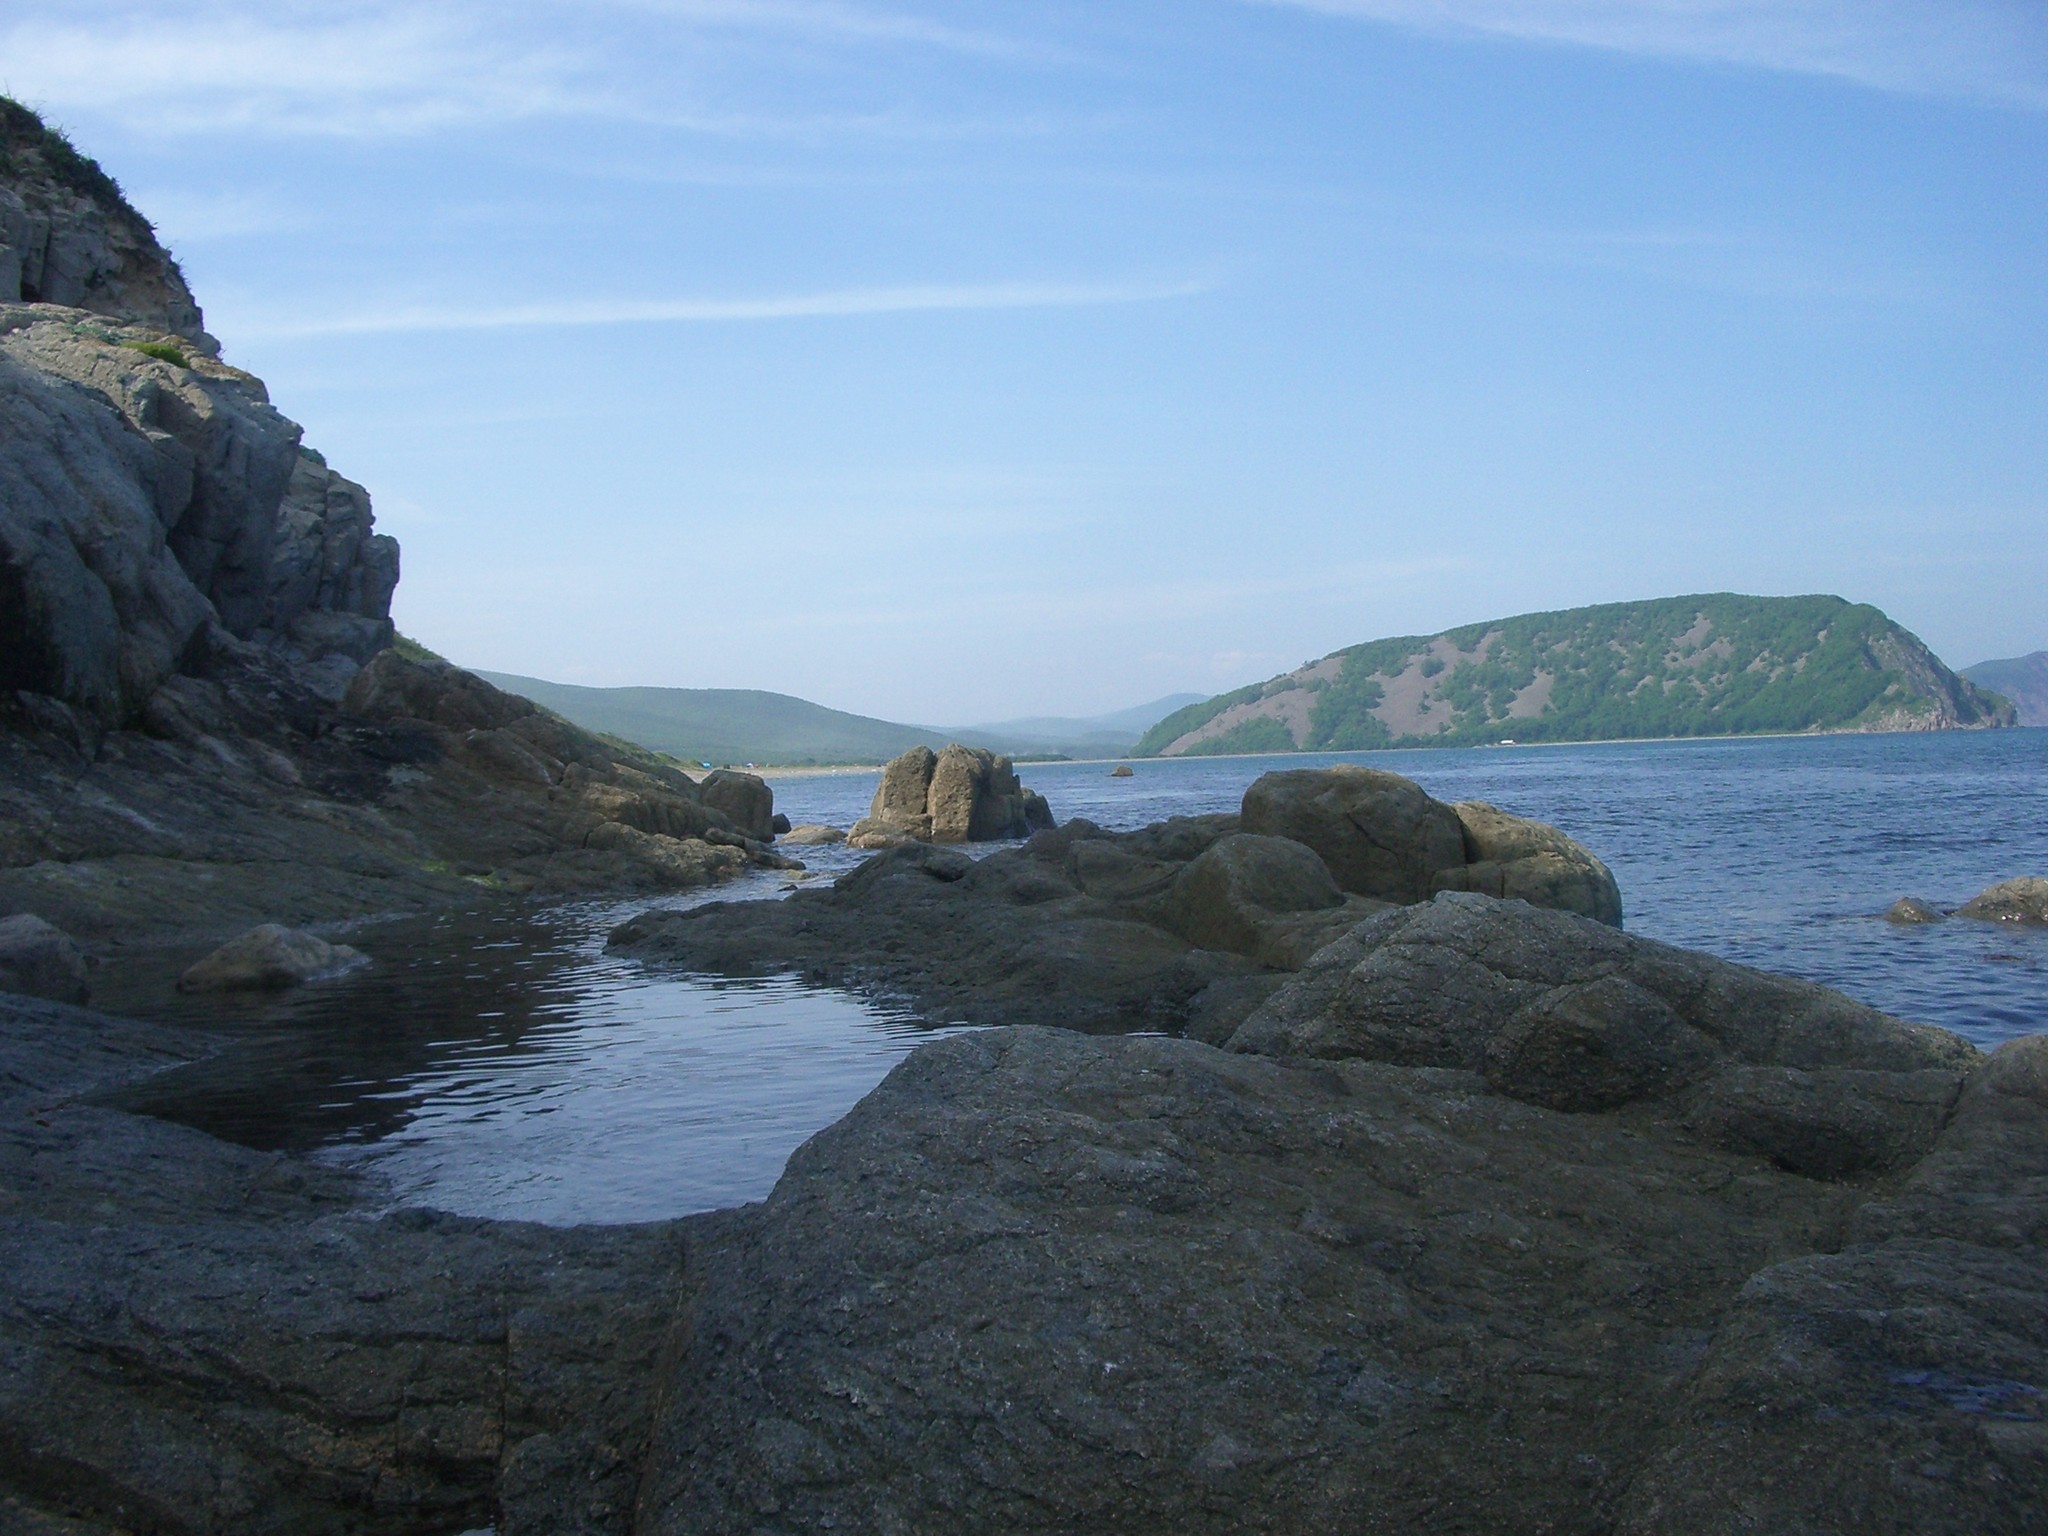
(744, 800)
(960, 795)
(1270, 898)
(37, 960)
(270, 957)
(1384, 838)
(1516, 859)
(1380, 835)
(2024, 900)
(1041, 1282)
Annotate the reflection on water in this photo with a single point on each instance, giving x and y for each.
(499, 1063)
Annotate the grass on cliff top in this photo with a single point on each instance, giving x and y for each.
(22, 129)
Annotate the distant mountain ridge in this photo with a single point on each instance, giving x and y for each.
(1715, 664)
(2022, 679)
(745, 725)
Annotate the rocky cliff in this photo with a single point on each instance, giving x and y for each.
(1718, 664)
(201, 723)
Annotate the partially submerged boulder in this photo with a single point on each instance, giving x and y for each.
(269, 958)
(814, 834)
(960, 795)
(2024, 900)
(1912, 912)
(38, 960)
(746, 801)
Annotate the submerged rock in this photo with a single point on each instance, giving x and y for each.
(270, 957)
(2024, 900)
(38, 960)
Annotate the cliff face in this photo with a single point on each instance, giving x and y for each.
(1718, 664)
(154, 506)
(201, 722)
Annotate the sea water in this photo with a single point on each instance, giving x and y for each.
(502, 1063)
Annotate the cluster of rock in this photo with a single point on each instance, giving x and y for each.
(1183, 925)
(959, 795)
(2023, 900)
(1490, 1218)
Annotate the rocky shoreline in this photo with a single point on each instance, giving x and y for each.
(1489, 1218)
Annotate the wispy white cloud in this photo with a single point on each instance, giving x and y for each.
(383, 68)
(1991, 50)
(845, 302)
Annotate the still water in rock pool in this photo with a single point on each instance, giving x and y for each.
(502, 1064)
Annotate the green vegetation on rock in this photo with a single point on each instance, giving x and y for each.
(1713, 665)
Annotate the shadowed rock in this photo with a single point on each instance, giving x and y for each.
(38, 960)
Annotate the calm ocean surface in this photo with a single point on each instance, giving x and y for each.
(502, 1064)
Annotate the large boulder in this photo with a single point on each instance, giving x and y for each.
(1383, 837)
(960, 795)
(1516, 859)
(1040, 1282)
(2024, 900)
(38, 960)
(1380, 835)
(744, 800)
(269, 958)
(1267, 897)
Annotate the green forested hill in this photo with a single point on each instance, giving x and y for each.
(1719, 664)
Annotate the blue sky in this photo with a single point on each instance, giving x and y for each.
(956, 362)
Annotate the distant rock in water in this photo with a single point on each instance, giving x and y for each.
(960, 795)
(1911, 911)
(1120, 771)
(2024, 900)
(2023, 680)
(1712, 665)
